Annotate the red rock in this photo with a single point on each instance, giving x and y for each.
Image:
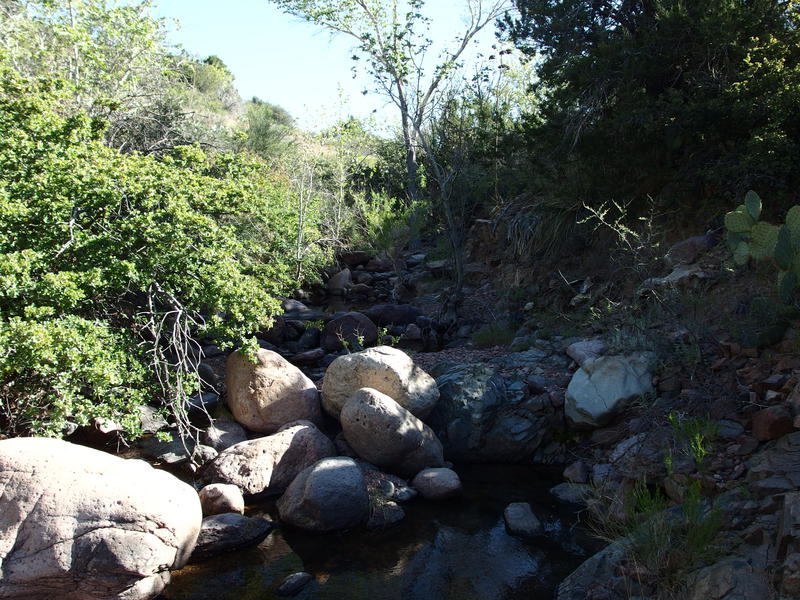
(772, 422)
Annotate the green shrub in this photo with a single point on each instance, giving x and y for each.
(493, 334)
(113, 266)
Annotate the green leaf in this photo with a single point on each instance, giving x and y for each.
(753, 203)
(784, 253)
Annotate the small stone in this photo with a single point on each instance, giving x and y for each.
(577, 472)
(218, 498)
(536, 384)
(521, 521)
(729, 430)
(437, 484)
(295, 582)
(572, 493)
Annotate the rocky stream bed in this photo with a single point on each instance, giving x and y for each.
(437, 470)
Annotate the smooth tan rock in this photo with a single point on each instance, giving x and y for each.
(265, 395)
(385, 434)
(219, 498)
(385, 369)
(268, 465)
(77, 523)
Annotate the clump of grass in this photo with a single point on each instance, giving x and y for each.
(493, 334)
(663, 544)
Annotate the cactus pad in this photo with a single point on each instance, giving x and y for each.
(742, 253)
(784, 252)
(763, 238)
(753, 203)
(739, 221)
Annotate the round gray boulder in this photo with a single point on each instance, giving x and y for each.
(388, 370)
(385, 434)
(329, 495)
(78, 523)
(265, 395)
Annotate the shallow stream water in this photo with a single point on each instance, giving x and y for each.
(450, 550)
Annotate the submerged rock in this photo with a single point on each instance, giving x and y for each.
(294, 583)
(521, 521)
(227, 532)
(80, 523)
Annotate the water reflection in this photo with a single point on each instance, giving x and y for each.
(456, 550)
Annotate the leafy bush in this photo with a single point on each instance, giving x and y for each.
(113, 266)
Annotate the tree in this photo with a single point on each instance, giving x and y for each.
(388, 33)
(267, 127)
(686, 101)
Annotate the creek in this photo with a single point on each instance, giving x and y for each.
(451, 550)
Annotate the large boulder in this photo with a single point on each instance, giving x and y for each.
(388, 370)
(598, 576)
(602, 386)
(732, 578)
(483, 417)
(339, 282)
(266, 466)
(78, 523)
(384, 433)
(583, 350)
(329, 495)
(265, 395)
(353, 328)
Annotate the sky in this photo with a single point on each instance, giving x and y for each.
(288, 62)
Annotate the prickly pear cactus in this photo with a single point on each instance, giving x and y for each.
(763, 238)
(750, 238)
(739, 220)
